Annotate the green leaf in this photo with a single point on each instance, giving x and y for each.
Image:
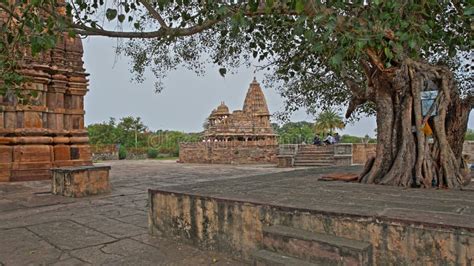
(111, 14)
(136, 25)
(299, 6)
(223, 71)
(336, 59)
(412, 43)
(388, 53)
(121, 18)
(469, 11)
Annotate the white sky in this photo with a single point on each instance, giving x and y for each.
(186, 100)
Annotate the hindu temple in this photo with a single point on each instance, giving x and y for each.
(44, 128)
(252, 123)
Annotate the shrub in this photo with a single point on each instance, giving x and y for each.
(152, 153)
(122, 153)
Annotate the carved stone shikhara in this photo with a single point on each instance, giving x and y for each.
(44, 128)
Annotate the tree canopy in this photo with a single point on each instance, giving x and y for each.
(312, 48)
(327, 122)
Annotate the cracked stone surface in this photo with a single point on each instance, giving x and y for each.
(38, 228)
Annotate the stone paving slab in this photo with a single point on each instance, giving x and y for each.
(301, 190)
(21, 242)
(68, 235)
(39, 228)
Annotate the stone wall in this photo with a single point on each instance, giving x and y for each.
(111, 152)
(468, 149)
(236, 227)
(362, 152)
(250, 152)
(104, 152)
(137, 153)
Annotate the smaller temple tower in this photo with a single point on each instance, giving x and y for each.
(252, 123)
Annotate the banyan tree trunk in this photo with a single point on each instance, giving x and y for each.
(408, 154)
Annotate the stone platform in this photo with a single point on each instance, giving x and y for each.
(292, 218)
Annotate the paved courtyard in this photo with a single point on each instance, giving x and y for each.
(38, 228)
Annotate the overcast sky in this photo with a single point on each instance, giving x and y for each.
(184, 103)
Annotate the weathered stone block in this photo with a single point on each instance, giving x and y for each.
(81, 181)
(285, 161)
(343, 160)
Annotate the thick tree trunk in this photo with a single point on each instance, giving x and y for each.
(407, 155)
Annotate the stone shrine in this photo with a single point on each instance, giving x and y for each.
(46, 129)
(252, 123)
(241, 137)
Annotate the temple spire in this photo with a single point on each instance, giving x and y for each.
(255, 102)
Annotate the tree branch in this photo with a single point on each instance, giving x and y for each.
(154, 13)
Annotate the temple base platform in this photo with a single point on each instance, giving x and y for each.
(292, 218)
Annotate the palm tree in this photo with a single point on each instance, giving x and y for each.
(328, 121)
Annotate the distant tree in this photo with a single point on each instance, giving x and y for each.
(328, 121)
(275, 127)
(470, 134)
(103, 133)
(295, 132)
(131, 131)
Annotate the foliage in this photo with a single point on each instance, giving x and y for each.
(152, 153)
(470, 134)
(130, 132)
(295, 132)
(355, 139)
(327, 122)
(313, 49)
(103, 133)
(122, 153)
(350, 139)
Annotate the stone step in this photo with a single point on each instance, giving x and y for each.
(303, 158)
(317, 149)
(312, 164)
(265, 257)
(316, 157)
(315, 154)
(317, 248)
(329, 161)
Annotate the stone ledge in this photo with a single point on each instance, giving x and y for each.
(80, 181)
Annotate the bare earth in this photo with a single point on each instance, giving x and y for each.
(37, 227)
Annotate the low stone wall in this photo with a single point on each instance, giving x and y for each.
(104, 152)
(468, 149)
(362, 152)
(137, 153)
(250, 152)
(111, 152)
(235, 227)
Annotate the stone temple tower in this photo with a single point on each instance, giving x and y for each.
(46, 131)
(252, 123)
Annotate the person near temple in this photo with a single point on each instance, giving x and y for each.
(329, 139)
(337, 138)
(317, 140)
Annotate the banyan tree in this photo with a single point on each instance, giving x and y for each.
(408, 62)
